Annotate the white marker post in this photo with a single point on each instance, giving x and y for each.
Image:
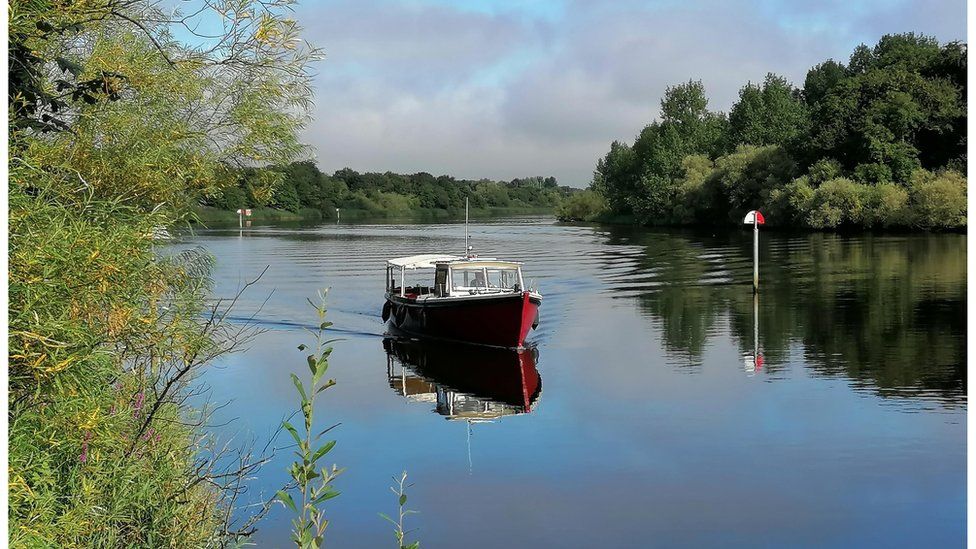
(755, 218)
(337, 216)
(240, 217)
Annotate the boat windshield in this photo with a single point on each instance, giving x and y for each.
(479, 278)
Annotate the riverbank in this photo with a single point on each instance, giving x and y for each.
(212, 216)
(629, 220)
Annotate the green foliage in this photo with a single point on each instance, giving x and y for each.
(615, 176)
(399, 489)
(285, 197)
(885, 205)
(821, 79)
(686, 127)
(938, 200)
(788, 206)
(747, 176)
(117, 129)
(894, 109)
(771, 114)
(582, 206)
(874, 172)
(824, 169)
(301, 185)
(835, 203)
(311, 483)
(693, 198)
(97, 455)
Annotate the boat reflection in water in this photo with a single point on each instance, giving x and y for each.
(464, 382)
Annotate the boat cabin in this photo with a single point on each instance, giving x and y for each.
(454, 276)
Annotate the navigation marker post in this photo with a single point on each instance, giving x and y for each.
(755, 218)
(241, 212)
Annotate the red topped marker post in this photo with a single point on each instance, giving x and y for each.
(755, 218)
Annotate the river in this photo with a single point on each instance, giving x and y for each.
(661, 406)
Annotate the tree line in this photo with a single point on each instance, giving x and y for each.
(300, 185)
(877, 142)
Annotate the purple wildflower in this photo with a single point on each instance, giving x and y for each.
(140, 400)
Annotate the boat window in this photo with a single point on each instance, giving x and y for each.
(503, 278)
(483, 278)
(440, 280)
(469, 278)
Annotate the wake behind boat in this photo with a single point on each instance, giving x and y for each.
(472, 299)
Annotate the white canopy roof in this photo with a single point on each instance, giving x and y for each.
(484, 262)
(429, 261)
(423, 261)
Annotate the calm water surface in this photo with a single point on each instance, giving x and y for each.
(661, 405)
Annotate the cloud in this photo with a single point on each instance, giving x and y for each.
(492, 89)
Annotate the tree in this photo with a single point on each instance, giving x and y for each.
(821, 79)
(771, 114)
(117, 129)
(686, 127)
(745, 179)
(879, 115)
(615, 176)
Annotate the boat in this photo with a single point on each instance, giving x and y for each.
(480, 300)
(464, 382)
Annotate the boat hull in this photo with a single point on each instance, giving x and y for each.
(495, 320)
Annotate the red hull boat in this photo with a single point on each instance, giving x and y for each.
(474, 300)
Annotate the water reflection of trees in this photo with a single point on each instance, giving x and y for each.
(887, 311)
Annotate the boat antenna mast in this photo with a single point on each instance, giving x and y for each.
(467, 248)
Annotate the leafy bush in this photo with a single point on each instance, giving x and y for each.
(582, 206)
(834, 204)
(692, 200)
(98, 457)
(748, 176)
(824, 169)
(938, 201)
(788, 206)
(885, 205)
(106, 330)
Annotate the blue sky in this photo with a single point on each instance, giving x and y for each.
(502, 89)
